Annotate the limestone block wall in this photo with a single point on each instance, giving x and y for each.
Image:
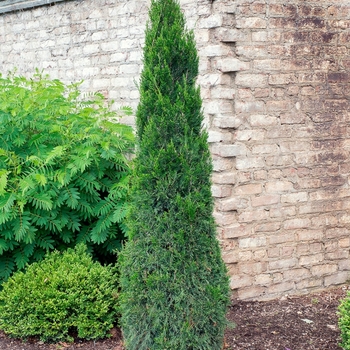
(280, 144)
(275, 86)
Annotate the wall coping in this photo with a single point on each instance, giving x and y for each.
(16, 5)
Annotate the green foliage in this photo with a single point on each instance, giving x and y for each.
(174, 283)
(63, 171)
(344, 322)
(61, 294)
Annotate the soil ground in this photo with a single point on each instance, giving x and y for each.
(292, 323)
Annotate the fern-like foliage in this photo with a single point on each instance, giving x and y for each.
(64, 171)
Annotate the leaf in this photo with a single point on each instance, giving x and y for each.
(3, 246)
(5, 216)
(41, 201)
(100, 232)
(21, 258)
(29, 249)
(66, 235)
(120, 212)
(3, 180)
(41, 179)
(72, 197)
(46, 242)
(80, 163)
(21, 226)
(58, 151)
(26, 184)
(7, 201)
(83, 236)
(7, 265)
(104, 207)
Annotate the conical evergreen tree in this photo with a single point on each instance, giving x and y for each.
(174, 284)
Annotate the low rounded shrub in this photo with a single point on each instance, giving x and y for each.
(64, 294)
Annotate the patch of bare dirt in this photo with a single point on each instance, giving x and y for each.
(307, 322)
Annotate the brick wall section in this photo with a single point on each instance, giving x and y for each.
(275, 87)
(280, 144)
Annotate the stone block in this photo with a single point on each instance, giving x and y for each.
(311, 259)
(230, 204)
(251, 80)
(282, 264)
(227, 122)
(296, 274)
(250, 107)
(309, 235)
(224, 178)
(248, 189)
(294, 197)
(255, 292)
(309, 283)
(265, 200)
(281, 287)
(221, 164)
(263, 279)
(262, 120)
(337, 232)
(224, 150)
(230, 35)
(220, 191)
(278, 186)
(231, 64)
(212, 21)
(236, 231)
(252, 242)
(296, 223)
(338, 278)
(220, 92)
(240, 281)
(278, 238)
(252, 268)
(214, 51)
(250, 163)
(268, 227)
(250, 135)
(251, 23)
(230, 257)
(321, 270)
(265, 149)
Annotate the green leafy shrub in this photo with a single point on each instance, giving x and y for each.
(344, 322)
(61, 294)
(63, 171)
(174, 286)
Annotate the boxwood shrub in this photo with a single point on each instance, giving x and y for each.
(64, 294)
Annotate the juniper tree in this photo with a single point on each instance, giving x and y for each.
(174, 283)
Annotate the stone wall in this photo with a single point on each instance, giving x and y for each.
(275, 87)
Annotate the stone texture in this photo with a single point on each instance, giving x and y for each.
(275, 100)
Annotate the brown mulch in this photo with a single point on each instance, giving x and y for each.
(291, 323)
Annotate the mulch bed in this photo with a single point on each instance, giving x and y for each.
(292, 323)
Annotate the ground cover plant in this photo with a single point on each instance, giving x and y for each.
(174, 284)
(60, 295)
(63, 171)
(344, 321)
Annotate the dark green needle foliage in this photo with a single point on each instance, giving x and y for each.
(63, 171)
(174, 283)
